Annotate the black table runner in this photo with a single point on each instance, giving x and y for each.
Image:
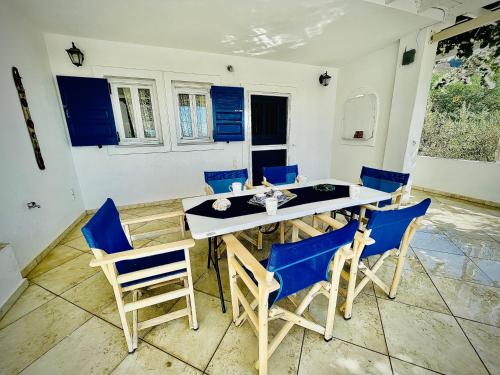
(241, 207)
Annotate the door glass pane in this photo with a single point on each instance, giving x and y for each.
(269, 119)
(185, 115)
(148, 122)
(201, 115)
(127, 111)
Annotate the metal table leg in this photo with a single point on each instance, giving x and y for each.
(214, 258)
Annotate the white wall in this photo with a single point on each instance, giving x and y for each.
(29, 231)
(372, 73)
(474, 179)
(169, 172)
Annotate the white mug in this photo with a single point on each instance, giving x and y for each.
(354, 191)
(271, 206)
(236, 187)
(301, 179)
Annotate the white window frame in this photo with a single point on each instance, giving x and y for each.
(192, 89)
(134, 84)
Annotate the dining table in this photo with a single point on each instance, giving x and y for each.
(204, 222)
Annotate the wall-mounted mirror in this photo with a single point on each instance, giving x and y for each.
(359, 118)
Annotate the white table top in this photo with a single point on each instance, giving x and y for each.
(204, 227)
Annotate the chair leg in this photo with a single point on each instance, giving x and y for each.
(351, 286)
(135, 322)
(123, 319)
(338, 265)
(259, 240)
(398, 272)
(282, 232)
(263, 330)
(235, 304)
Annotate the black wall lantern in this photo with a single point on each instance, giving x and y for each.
(324, 79)
(75, 55)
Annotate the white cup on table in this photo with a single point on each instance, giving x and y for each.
(271, 206)
(354, 191)
(236, 188)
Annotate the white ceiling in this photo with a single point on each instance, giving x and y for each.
(318, 32)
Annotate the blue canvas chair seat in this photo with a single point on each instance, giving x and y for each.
(280, 175)
(220, 181)
(313, 263)
(390, 231)
(129, 269)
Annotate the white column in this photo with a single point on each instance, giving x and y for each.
(409, 101)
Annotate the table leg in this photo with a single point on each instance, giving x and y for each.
(209, 252)
(215, 262)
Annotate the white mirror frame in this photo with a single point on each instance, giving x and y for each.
(354, 141)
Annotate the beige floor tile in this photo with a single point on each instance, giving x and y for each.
(338, 357)
(152, 226)
(453, 266)
(32, 297)
(93, 294)
(28, 338)
(411, 262)
(79, 243)
(207, 282)
(471, 301)
(57, 256)
(435, 242)
(415, 288)
(364, 328)
(405, 368)
(428, 339)
(238, 351)
(67, 275)
(486, 341)
(491, 268)
(95, 348)
(151, 361)
(478, 248)
(194, 347)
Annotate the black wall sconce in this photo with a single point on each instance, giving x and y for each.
(408, 57)
(76, 56)
(324, 79)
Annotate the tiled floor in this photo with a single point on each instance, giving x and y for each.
(445, 318)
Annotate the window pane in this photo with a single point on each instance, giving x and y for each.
(127, 110)
(185, 116)
(148, 122)
(201, 115)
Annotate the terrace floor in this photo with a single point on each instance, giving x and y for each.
(445, 318)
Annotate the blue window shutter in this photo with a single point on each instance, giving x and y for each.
(228, 113)
(88, 111)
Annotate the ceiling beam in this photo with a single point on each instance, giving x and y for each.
(466, 26)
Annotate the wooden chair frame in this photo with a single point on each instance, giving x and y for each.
(240, 260)
(356, 264)
(108, 264)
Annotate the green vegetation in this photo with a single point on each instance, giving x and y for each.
(463, 110)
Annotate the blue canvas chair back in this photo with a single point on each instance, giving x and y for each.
(104, 231)
(386, 181)
(301, 264)
(281, 175)
(388, 227)
(220, 181)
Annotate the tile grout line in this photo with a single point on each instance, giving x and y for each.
(382, 325)
(53, 268)
(301, 349)
(456, 320)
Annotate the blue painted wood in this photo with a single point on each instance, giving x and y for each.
(88, 111)
(228, 113)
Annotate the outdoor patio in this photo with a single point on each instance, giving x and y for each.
(445, 318)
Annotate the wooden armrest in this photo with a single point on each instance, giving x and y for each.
(306, 228)
(266, 183)
(337, 225)
(330, 221)
(165, 215)
(248, 260)
(371, 207)
(248, 185)
(143, 252)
